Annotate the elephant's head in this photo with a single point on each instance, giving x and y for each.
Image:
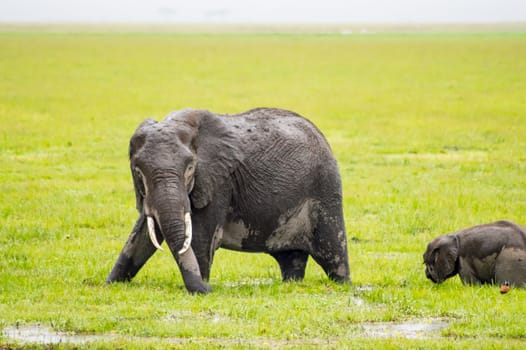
(441, 258)
(176, 164)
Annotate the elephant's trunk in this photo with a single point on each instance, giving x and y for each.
(176, 227)
(187, 233)
(170, 210)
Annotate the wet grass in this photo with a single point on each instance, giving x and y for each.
(429, 131)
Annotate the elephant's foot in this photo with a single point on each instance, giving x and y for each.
(336, 268)
(292, 264)
(340, 278)
(201, 288)
(123, 270)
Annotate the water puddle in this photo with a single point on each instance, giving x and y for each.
(416, 329)
(37, 334)
(250, 282)
(356, 301)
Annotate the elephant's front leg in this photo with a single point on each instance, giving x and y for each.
(189, 268)
(137, 250)
(468, 274)
(208, 224)
(207, 237)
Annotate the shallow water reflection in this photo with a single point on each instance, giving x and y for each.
(416, 329)
(37, 334)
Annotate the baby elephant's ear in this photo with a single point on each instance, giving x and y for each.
(431, 253)
(435, 254)
(446, 257)
(218, 152)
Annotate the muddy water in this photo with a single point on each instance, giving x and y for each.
(416, 329)
(37, 334)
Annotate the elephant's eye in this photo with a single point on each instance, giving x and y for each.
(190, 168)
(189, 176)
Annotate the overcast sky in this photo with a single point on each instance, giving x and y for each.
(249, 11)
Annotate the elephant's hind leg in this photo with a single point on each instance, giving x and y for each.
(335, 268)
(330, 250)
(292, 264)
(511, 267)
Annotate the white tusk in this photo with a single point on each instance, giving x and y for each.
(187, 233)
(151, 232)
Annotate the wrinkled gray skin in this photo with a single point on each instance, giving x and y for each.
(484, 254)
(261, 181)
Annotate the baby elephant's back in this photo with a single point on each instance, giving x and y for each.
(491, 238)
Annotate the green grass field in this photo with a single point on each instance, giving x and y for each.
(429, 130)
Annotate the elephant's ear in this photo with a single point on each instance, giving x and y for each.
(218, 155)
(446, 256)
(136, 142)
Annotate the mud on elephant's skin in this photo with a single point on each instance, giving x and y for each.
(261, 181)
(485, 254)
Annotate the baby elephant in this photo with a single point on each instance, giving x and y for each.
(490, 253)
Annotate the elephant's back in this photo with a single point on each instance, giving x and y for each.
(264, 127)
(286, 161)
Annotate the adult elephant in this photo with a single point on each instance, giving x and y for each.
(261, 181)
